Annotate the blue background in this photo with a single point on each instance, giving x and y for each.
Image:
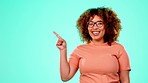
(27, 44)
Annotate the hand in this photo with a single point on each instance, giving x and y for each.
(61, 43)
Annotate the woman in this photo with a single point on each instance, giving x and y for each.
(101, 59)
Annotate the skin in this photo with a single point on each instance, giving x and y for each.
(66, 70)
(98, 38)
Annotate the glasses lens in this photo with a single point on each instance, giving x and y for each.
(99, 24)
(90, 24)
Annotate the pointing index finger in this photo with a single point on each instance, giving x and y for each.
(57, 35)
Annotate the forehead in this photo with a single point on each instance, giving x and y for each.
(95, 18)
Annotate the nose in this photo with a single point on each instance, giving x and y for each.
(95, 26)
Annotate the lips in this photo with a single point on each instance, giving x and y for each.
(95, 33)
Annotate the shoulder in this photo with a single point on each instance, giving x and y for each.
(119, 48)
(80, 49)
(117, 44)
(82, 46)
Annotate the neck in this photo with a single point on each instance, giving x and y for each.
(98, 42)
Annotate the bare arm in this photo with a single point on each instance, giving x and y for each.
(66, 71)
(124, 77)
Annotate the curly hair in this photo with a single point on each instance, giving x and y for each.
(111, 22)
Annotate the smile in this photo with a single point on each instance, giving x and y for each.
(95, 33)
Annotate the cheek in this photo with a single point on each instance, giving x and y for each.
(89, 31)
(103, 31)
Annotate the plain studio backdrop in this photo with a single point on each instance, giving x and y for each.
(27, 44)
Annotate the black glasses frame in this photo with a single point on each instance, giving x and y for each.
(91, 24)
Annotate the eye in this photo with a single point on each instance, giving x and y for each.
(99, 23)
(90, 23)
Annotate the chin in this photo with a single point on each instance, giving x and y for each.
(97, 38)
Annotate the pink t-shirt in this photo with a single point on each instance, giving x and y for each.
(100, 63)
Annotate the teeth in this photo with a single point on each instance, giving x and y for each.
(96, 32)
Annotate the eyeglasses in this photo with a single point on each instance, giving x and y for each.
(99, 24)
